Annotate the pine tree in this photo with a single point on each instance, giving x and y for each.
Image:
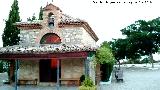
(32, 19)
(41, 14)
(10, 34)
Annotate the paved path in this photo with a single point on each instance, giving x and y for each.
(135, 78)
(6, 87)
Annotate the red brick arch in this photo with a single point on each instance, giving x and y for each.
(50, 38)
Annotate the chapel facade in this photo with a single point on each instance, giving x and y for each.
(58, 42)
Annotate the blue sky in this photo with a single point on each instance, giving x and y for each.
(105, 19)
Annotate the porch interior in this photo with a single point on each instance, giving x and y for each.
(45, 71)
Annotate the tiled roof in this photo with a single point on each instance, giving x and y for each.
(68, 19)
(45, 48)
(29, 24)
(64, 19)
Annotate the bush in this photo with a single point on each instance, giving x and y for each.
(1, 67)
(133, 62)
(82, 78)
(106, 71)
(87, 84)
(87, 88)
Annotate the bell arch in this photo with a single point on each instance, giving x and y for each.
(51, 20)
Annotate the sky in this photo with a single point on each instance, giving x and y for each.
(106, 19)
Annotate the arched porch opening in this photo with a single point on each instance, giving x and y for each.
(48, 67)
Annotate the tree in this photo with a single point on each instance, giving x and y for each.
(41, 13)
(145, 60)
(143, 37)
(104, 54)
(32, 19)
(106, 60)
(10, 34)
(119, 49)
(1, 67)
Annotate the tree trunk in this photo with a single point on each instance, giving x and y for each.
(151, 56)
(119, 63)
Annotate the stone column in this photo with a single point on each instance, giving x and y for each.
(92, 70)
(89, 67)
(16, 80)
(58, 83)
(11, 71)
(86, 62)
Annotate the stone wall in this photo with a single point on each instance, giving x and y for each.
(68, 35)
(72, 68)
(28, 37)
(71, 36)
(28, 69)
(87, 39)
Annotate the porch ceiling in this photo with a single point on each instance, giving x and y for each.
(44, 56)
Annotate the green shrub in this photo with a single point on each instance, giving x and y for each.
(106, 71)
(87, 84)
(87, 88)
(82, 78)
(1, 67)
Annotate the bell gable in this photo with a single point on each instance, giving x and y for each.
(58, 26)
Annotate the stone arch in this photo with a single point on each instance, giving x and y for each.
(50, 38)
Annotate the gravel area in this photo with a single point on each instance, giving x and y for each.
(135, 78)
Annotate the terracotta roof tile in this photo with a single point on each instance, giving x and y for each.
(45, 48)
(68, 19)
